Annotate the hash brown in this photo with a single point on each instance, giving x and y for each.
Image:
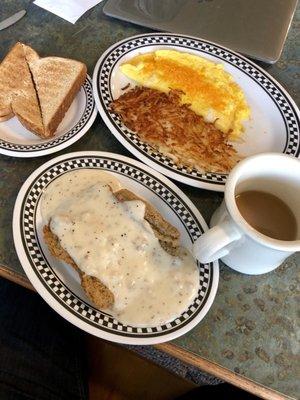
(174, 129)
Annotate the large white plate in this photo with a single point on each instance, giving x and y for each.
(17, 141)
(59, 285)
(274, 124)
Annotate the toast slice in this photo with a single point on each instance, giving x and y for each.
(6, 117)
(97, 292)
(15, 76)
(26, 104)
(26, 109)
(57, 81)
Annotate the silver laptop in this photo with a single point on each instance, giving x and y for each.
(256, 28)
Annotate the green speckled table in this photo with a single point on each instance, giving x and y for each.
(251, 335)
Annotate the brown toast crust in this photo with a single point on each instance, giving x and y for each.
(6, 117)
(100, 294)
(13, 71)
(29, 124)
(6, 112)
(19, 93)
(26, 106)
(30, 54)
(8, 78)
(56, 76)
(14, 75)
(59, 115)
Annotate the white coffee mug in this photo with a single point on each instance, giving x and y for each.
(231, 238)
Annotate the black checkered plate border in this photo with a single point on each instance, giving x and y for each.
(35, 262)
(55, 144)
(102, 83)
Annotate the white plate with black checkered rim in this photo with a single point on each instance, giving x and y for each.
(17, 141)
(274, 125)
(59, 285)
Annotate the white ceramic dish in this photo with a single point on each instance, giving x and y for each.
(17, 141)
(59, 285)
(274, 124)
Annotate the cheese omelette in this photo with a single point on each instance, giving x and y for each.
(206, 87)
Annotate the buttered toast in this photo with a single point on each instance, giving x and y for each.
(15, 79)
(38, 91)
(57, 81)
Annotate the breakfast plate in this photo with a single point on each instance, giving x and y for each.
(272, 127)
(60, 286)
(17, 141)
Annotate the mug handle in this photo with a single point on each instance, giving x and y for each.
(212, 244)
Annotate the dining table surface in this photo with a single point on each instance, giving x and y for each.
(250, 336)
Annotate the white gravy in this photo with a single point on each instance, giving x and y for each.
(112, 241)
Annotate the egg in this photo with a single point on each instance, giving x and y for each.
(209, 90)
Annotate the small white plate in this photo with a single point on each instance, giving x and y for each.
(274, 124)
(17, 141)
(59, 285)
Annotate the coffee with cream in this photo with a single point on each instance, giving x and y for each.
(267, 214)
